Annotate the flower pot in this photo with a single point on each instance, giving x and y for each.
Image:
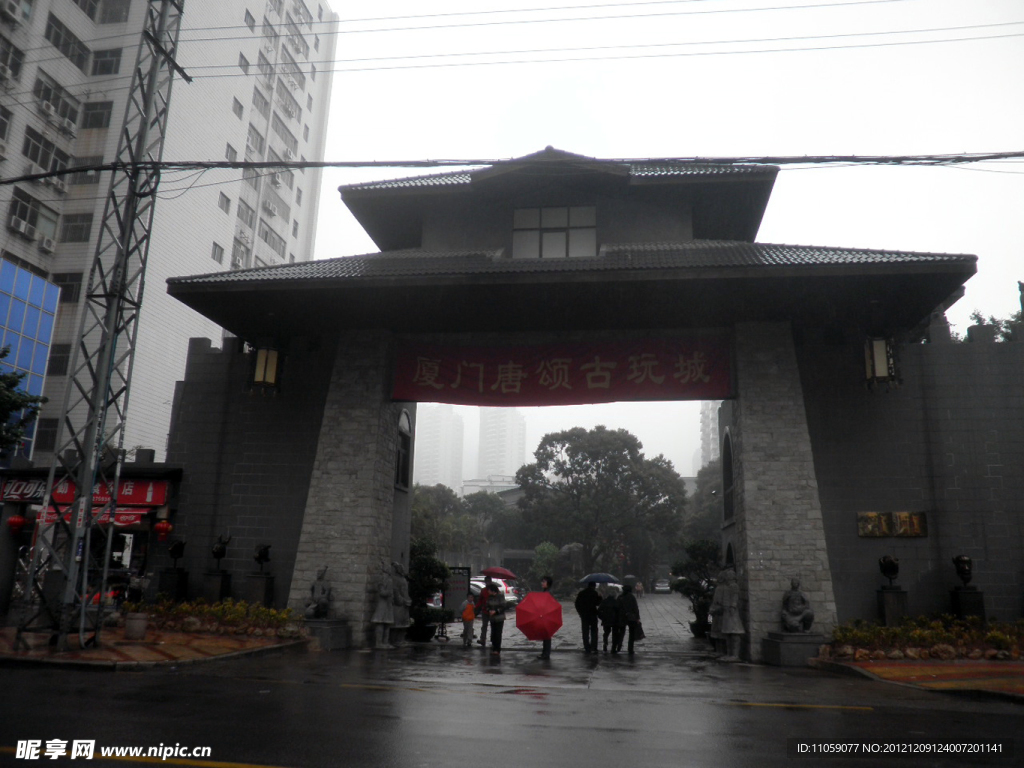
(700, 628)
(135, 626)
(421, 633)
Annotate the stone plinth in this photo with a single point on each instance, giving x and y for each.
(216, 586)
(259, 589)
(790, 649)
(173, 583)
(892, 605)
(967, 602)
(331, 634)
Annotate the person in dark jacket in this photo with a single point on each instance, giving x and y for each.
(608, 613)
(496, 611)
(545, 585)
(587, 602)
(629, 617)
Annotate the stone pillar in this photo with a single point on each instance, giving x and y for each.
(348, 517)
(779, 533)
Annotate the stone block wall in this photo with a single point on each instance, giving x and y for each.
(777, 531)
(348, 519)
(246, 458)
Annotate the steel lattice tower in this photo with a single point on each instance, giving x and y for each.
(68, 571)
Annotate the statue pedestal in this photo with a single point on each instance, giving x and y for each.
(332, 634)
(173, 582)
(216, 586)
(790, 649)
(968, 601)
(259, 589)
(892, 605)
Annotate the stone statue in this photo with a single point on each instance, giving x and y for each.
(732, 624)
(797, 615)
(319, 604)
(176, 551)
(384, 614)
(400, 596)
(262, 555)
(220, 549)
(715, 611)
(964, 568)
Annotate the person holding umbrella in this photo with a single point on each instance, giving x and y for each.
(629, 618)
(608, 613)
(587, 603)
(545, 586)
(539, 616)
(496, 610)
(481, 609)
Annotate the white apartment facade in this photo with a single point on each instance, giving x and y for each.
(502, 447)
(440, 435)
(261, 85)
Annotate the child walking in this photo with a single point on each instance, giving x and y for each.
(468, 616)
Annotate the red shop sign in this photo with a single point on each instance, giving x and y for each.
(694, 367)
(149, 493)
(122, 517)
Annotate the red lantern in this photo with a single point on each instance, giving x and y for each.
(163, 528)
(16, 522)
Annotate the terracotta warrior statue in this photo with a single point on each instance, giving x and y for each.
(319, 604)
(384, 614)
(797, 615)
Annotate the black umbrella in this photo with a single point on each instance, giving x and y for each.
(600, 578)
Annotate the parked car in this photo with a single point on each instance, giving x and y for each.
(662, 585)
(512, 593)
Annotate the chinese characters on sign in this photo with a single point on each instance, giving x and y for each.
(150, 493)
(875, 525)
(664, 368)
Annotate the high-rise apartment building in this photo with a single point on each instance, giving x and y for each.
(502, 448)
(261, 73)
(709, 440)
(439, 439)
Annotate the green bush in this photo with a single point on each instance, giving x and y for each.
(929, 631)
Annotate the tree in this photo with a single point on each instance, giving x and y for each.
(1007, 328)
(18, 409)
(439, 516)
(597, 489)
(696, 576)
(427, 577)
(545, 562)
(703, 518)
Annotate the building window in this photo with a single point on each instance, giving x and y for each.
(76, 228)
(88, 7)
(552, 233)
(245, 214)
(237, 108)
(295, 229)
(224, 203)
(260, 102)
(5, 122)
(271, 238)
(46, 434)
(251, 177)
(70, 284)
(316, 42)
(106, 62)
(230, 153)
(250, 21)
(96, 114)
(291, 258)
(65, 42)
(290, 68)
(11, 56)
(60, 356)
(44, 152)
(239, 255)
(243, 63)
(277, 126)
(312, 72)
(286, 102)
(217, 253)
(298, 196)
(114, 11)
(282, 174)
(309, 102)
(255, 143)
(275, 6)
(86, 177)
(320, 13)
(305, 133)
(46, 90)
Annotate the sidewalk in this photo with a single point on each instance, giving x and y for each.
(158, 648)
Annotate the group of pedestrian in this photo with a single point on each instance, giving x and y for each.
(619, 614)
(490, 607)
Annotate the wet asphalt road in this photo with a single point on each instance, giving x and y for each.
(445, 706)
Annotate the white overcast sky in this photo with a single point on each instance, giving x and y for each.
(707, 78)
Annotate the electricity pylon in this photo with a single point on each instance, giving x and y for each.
(66, 583)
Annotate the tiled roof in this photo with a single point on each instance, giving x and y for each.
(651, 169)
(699, 254)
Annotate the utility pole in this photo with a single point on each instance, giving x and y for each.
(66, 584)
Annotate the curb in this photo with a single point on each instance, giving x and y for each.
(104, 665)
(849, 670)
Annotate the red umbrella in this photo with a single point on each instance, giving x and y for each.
(497, 572)
(539, 616)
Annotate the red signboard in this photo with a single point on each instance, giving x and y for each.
(122, 517)
(148, 493)
(693, 367)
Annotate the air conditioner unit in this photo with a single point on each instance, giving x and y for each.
(296, 46)
(60, 185)
(275, 179)
(288, 154)
(46, 108)
(34, 170)
(244, 237)
(288, 109)
(270, 208)
(47, 244)
(3, 150)
(250, 149)
(69, 127)
(18, 225)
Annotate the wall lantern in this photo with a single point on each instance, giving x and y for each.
(265, 371)
(880, 362)
(163, 528)
(16, 523)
